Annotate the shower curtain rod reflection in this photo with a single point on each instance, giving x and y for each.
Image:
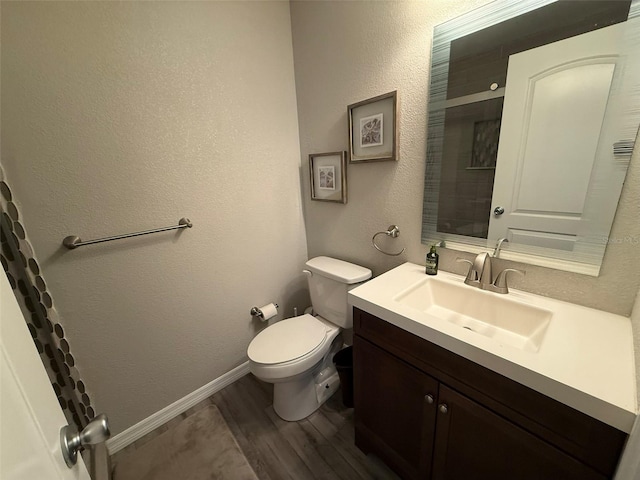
(72, 241)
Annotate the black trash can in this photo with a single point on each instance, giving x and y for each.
(344, 364)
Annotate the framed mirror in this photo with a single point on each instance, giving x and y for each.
(534, 109)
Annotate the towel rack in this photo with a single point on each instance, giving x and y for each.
(393, 231)
(73, 241)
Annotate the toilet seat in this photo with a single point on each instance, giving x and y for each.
(289, 340)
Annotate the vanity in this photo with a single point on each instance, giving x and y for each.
(457, 382)
(454, 382)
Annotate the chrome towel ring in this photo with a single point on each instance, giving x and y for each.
(393, 231)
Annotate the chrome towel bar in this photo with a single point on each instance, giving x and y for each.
(73, 241)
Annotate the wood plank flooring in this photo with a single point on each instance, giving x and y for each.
(318, 447)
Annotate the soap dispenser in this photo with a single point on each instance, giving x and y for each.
(432, 262)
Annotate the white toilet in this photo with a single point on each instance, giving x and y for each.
(296, 354)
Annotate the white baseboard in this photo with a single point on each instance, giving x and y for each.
(161, 417)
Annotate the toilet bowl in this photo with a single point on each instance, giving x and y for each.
(290, 354)
(296, 354)
(290, 347)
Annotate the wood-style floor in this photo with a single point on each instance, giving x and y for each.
(318, 447)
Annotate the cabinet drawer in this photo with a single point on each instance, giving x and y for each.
(583, 437)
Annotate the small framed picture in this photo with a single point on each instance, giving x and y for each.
(373, 129)
(484, 153)
(328, 173)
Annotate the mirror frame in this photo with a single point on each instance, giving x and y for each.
(478, 19)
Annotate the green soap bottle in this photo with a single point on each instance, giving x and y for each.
(432, 262)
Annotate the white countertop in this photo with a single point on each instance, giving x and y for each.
(585, 361)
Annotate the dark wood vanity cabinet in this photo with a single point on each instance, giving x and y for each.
(431, 414)
(473, 442)
(396, 412)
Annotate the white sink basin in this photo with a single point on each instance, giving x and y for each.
(493, 315)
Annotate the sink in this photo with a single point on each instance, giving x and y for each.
(577, 355)
(499, 317)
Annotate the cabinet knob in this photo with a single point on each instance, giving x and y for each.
(443, 408)
(428, 398)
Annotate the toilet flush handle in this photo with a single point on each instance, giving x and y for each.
(307, 273)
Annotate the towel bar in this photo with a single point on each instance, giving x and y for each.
(72, 241)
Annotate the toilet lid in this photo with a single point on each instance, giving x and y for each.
(287, 340)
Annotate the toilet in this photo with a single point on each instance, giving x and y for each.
(296, 354)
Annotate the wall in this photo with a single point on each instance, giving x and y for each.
(36, 303)
(350, 51)
(635, 325)
(126, 116)
(629, 466)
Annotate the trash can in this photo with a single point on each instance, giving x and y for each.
(344, 365)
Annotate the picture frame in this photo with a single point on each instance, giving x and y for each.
(328, 175)
(373, 132)
(484, 152)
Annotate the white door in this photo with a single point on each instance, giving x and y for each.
(555, 103)
(30, 416)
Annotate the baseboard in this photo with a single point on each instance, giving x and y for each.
(161, 417)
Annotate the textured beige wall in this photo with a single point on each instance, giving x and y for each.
(125, 116)
(635, 325)
(350, 51)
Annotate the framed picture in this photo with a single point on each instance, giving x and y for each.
(373, 129)
(328, 176)
(484, 153)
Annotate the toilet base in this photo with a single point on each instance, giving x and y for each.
(298, 399)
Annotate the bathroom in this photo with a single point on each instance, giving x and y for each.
(120, 117)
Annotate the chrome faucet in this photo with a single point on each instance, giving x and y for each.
(479, 270)
(496, 252)
(500, 285)
(480, 274)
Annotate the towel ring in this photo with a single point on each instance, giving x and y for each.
(393, 231)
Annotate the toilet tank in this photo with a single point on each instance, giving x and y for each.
(329, 281)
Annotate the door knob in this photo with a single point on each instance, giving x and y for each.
(498, 211)
(428, 398)
(71, 442)
(443, 408)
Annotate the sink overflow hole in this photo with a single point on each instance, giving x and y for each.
(469, 328)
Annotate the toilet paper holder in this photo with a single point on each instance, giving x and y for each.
(256, 312)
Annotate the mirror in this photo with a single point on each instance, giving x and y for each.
(532, 121)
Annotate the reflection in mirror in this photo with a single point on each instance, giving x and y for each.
(527, 101)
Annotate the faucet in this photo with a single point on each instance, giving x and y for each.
(480, 275)
(500, 285)
(479, 271)
(496, 252)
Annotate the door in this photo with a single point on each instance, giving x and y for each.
(544, 169)
(394, 409)
(473, 442)
(30, 416)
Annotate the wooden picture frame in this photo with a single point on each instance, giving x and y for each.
(373, 132)
(328, 175)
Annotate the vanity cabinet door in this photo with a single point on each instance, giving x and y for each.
(395, 410)
(473, 442)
